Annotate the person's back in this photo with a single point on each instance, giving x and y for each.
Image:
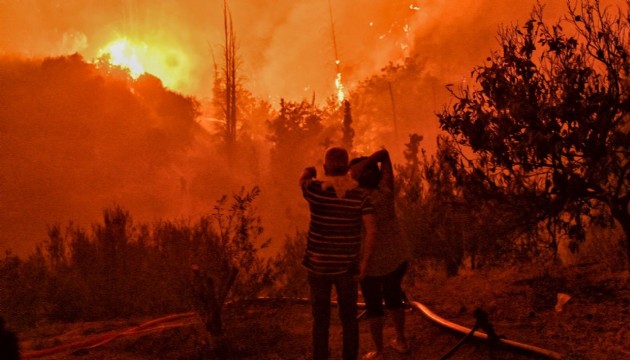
(334, 236)
(390, 248)
(387, 258)
(339, 210)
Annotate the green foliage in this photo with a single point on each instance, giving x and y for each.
(549, 121)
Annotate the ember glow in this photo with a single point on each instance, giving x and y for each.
(165, 62)
(289, 40)
(285, 50)
(340, 90)
(123, 53)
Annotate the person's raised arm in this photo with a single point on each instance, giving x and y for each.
(308, 174)
(387, 169)
(375, 158)
(369, 224)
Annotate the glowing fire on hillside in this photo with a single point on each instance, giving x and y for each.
(127, 54)
(165, 62)
(286, 51)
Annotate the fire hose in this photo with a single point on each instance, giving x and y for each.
(483, 323)
(425, 311)
(167, 322)
(92, 342)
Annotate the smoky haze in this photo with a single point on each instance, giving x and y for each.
(286, 47)
(73, 142)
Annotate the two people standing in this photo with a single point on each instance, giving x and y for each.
(352, 236)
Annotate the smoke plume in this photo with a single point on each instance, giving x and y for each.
(73, 141)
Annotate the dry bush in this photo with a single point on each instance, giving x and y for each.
(122, 269)
(291, 279)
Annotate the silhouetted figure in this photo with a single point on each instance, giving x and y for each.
(339, 209)
(9, 347)
(387, 258)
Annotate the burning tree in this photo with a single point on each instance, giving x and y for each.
(226, 84)
(385, 103)
(550, 119)
(348, 131)
(297, 126)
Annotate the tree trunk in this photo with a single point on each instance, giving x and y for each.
(625, 224)
(210, 296)
(216, 300)
(621, 214)
(230, 78)
(348, 131)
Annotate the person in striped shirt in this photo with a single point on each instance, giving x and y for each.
(339, 211)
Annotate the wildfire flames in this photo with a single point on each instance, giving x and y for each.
(126, 54)
(286, 51)
(167, 63)
(340, 90)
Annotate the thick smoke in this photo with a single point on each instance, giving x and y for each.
(73, 142)
(286, 46)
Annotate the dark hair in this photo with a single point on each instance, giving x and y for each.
(336, 161)
(371, 174)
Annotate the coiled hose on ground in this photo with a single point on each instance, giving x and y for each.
(178, 320)
(426, 312)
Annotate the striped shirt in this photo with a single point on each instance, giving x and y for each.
(334, 235)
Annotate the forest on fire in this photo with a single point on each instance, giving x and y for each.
(530, 167)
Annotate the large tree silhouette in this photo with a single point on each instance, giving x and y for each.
(226, 82)
(550, 116)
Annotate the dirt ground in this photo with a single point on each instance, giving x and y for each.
(521, 304)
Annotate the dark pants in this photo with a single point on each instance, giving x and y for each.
(375, 289)
(346, 287)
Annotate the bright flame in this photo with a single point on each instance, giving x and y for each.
(126, 54)
(340, 89)
(165, 62)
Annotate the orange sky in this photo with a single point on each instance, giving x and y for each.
(286, 50)
(286, 46)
